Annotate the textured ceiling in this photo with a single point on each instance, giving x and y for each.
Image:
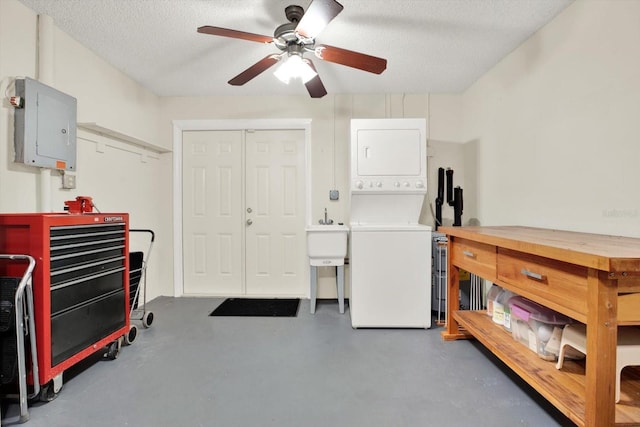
(430, 45)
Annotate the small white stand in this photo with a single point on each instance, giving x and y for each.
(339, 284)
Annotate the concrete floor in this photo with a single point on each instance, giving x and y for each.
(190, 369)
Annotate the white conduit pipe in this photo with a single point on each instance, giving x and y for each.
(45, 190)
(45, 75)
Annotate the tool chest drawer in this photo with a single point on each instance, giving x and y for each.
(81, 326)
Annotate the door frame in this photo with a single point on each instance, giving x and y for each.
(180, 126)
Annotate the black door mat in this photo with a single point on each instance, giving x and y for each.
(252, 307)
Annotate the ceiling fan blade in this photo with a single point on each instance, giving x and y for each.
(234, 34)
(318, 15)
(254, 70)
(314, 86)
(361, 61)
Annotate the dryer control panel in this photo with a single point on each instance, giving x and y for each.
(386, 184)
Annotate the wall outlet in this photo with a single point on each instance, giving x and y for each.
(334, 194)
(68, 181)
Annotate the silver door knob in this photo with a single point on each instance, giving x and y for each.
(249, 222)
(249, 210)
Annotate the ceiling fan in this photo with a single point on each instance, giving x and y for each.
(294, 39)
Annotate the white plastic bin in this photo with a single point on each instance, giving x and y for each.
(537, 326)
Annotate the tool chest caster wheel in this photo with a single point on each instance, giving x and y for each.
(147, 319)
(50, 390)
(46, 392)
(113, 350)
(131, 336)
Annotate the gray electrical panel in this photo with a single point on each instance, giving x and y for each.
(45, 126)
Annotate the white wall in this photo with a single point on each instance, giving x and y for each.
(119, 176)
(557, 125)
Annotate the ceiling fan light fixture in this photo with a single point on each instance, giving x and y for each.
(294, 66)
(294, 39)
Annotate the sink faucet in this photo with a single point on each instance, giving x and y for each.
(325, 221)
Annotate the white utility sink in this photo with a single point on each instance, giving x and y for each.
(327, 244)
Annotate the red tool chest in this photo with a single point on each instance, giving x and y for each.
(80, 282)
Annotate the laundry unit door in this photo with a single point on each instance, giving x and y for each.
(243, 213)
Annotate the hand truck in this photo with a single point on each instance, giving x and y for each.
(20, 305)
(138, 273)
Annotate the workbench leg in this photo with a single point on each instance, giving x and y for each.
(602, 331)
(453, 297)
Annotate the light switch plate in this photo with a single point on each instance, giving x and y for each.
(68, 181)
(334, 194)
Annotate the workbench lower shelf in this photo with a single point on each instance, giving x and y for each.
(564, 388)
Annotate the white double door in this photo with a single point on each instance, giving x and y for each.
(243, 213)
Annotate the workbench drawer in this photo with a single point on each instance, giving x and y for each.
(555, 284)
(474, 257)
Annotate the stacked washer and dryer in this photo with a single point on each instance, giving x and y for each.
(390, 252)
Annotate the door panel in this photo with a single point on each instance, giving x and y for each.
(212, 206)
(275, 239)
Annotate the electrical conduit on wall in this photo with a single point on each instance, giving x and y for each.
(45, 75)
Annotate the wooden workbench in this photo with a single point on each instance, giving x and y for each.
(592, 278)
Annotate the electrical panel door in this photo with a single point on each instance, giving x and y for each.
(45, 126)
